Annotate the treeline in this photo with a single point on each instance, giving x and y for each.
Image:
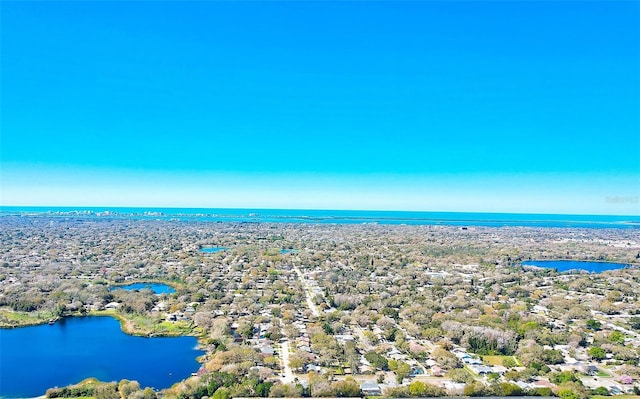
(416, 389)
(70, 392)
(224, 385)
(125, 389)
(569, 386)
(482, 340)
(503, 389)
(21, 304)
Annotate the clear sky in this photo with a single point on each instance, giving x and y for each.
(500, 106)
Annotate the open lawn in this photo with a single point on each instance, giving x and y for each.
(9, 318)
(499, 360)
(146, 326)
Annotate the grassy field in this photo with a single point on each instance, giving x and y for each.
(145, 326)
(498, 360)
(9, 318)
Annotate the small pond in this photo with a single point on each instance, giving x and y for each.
(212, 250)
(155, 287)
(566, 265)
(289, 251)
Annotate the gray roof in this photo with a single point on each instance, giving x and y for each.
(369, 385)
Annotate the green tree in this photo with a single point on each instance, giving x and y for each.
(377, 360)
(578, 391)
(475, 389)
(220, 379)
(551, 356)
(221, 393)
(541, 392)
(419, 389)
(601, 391)
(149, 393)
(296, 362)
(60, 308)
(567, 394)
(126, 388)
(460, 375)
(597, 353)
(509, 389)
(493, 377)
(347, 388)
(593, 324)
(616, 337)
(402, 372)
(106, 391)
(285, 391)
(563, 376)
(263, 388)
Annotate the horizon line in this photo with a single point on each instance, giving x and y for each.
(92, 207)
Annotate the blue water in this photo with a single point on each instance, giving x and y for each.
(212, 250)
(333, 216)
(565, 265)
(289, 251)
(33, 359)
(156, 288)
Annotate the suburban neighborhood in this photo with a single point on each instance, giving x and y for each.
(286, 309)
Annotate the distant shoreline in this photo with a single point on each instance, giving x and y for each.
(191, 210)
(241, 215)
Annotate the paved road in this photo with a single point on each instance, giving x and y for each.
(607, 321)
(288, 374)
(307, 291)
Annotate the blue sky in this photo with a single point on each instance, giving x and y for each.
(438, 106)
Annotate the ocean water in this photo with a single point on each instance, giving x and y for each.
(33, 359)
(336, 216)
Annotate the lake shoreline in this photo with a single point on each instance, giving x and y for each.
(585, 261)
(123, 326)
(173, 284)
(582, 266)
(127, 326)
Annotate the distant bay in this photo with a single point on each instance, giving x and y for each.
(333, 216)
(36, 358)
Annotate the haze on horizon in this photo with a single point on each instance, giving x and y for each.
(529, 107)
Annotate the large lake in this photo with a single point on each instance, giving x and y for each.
(565, 265)
(33, 359)
(156, 288)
